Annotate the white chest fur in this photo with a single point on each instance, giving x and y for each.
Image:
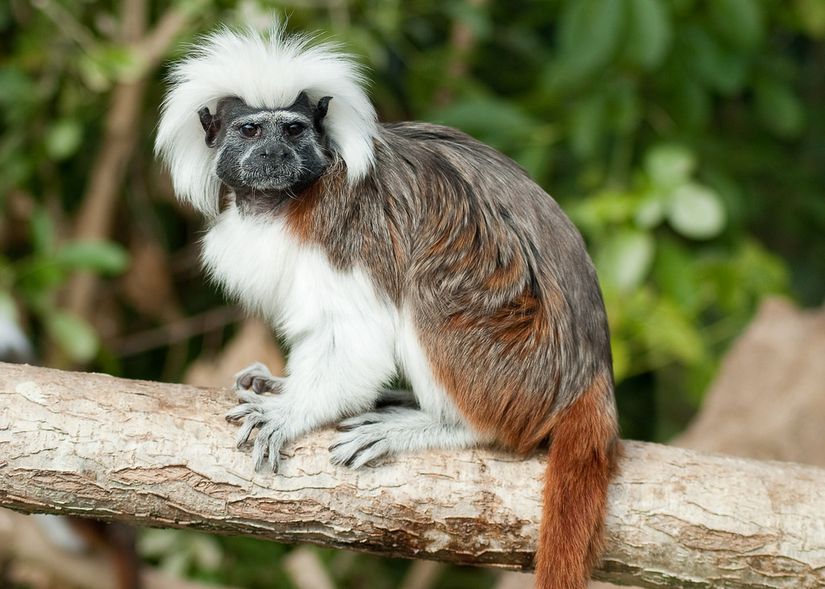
(258, 261)
(342, 324)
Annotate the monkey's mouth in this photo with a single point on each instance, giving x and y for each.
(271, 178)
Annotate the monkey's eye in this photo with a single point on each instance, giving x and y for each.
(294, 129)
(250, 130)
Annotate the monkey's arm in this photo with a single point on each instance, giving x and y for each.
(335, 371)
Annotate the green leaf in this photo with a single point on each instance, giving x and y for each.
(669, 164)
(37, 277)
(649, 33)
(589, 34)
(669, 333)
(740, 22)
(587, 120)
(811, 13)
(650, 211)
(42, 231)
(675, 274)
(100, 256)
(689, 101)
(15, 87)
(696, 211)
(63, 138)
(74, 336)
(719, 67)
(779, 109)
(624, 259)
(598, 211)
(624, 108)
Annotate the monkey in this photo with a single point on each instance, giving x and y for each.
(380, 250)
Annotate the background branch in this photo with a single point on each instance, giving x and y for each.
(96, 216)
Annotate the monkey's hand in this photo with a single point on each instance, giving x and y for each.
(270, 416)
(259, 411)
(257, 377)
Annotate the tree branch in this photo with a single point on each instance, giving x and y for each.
(121, 133)
(162, 455)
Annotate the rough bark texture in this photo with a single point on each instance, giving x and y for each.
(161, 455)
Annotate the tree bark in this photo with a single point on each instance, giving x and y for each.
(162, 455)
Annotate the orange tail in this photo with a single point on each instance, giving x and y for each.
(582, 460)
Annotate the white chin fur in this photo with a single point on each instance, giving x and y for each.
(266, 71)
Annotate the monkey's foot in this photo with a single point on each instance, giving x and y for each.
(394, 430)
(268, 414)
(257, 377)
(363, 438)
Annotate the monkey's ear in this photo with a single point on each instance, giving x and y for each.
(301, 102)
(321, 111)
(211, 125)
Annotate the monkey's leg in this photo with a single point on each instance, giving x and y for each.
(257, 377)
(396, 430)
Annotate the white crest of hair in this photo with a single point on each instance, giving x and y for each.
(265, 70)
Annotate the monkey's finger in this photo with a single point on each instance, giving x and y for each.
(358, 421)
(247, 397)
(274, 455)
(244, 379)
(361, 456)
(263, 385)
(259, 454)
(242, 411)
(355, 449)
(246, 429)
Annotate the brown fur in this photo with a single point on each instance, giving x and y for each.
(581, 462)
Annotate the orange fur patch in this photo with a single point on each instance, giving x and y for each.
(581, 463)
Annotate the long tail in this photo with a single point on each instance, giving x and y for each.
(583, 455)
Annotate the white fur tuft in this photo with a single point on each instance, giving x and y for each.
(266, 70)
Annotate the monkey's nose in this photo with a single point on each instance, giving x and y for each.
(278, 153)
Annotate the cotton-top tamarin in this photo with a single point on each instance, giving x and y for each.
(405, 249)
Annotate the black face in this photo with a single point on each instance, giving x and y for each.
(267, 154)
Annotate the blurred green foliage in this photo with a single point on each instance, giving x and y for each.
(34, 280)
(684, 137)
